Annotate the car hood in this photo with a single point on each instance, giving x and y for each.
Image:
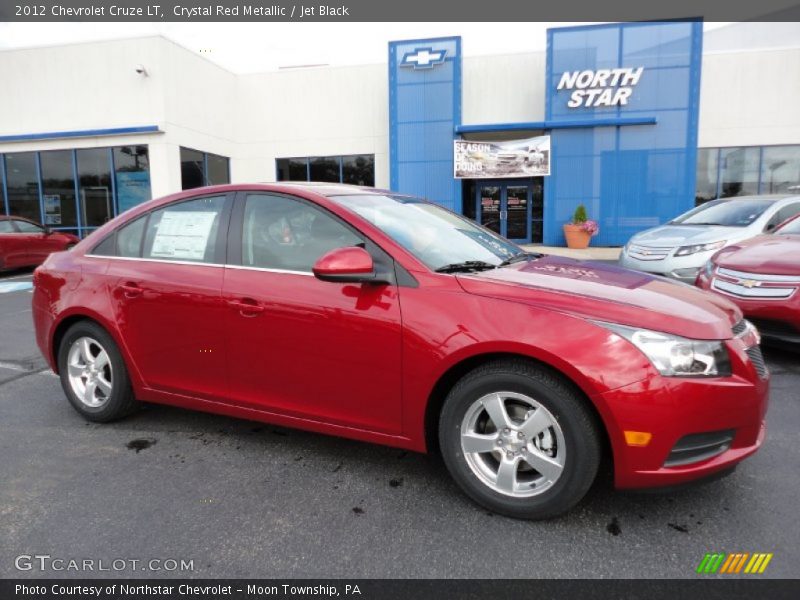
(768, 254)
(608, 293)
(683, 235)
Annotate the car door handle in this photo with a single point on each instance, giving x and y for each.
(246, 306)
(131, 289)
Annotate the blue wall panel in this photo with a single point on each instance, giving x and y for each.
(424, 109)
(631, 177)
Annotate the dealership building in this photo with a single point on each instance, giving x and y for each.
(637, 121)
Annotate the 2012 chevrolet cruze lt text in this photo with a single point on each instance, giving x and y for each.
(384, 318)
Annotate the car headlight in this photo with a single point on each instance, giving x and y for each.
(675, 356)
(695, 248)
(708, 269)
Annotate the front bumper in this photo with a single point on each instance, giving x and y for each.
(680, 268)
(671, 408)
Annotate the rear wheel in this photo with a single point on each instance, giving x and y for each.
(93, 373)
(519, 440)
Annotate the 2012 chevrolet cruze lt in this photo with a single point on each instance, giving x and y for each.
(388, 319)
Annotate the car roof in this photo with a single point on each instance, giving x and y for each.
(332, 189)
(770, 198)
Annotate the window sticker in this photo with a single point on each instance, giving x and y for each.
(183, 235)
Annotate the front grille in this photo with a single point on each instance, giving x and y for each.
(740, 328)
(758, 361)
(763, 286)
(695, 447)
(648, 252)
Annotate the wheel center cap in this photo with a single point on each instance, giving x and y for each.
(511, 441)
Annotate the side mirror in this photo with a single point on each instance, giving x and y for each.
(770, 227)
(345, 265)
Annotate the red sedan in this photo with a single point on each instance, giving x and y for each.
(24, 243)
(384, 318)
(762, 276)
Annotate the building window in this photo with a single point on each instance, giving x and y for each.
(58, 190)
(780, 170)
(43, 187)
(131, 176)
(95, 196)
(729, 172)
(357, 169)
(201, 168)
(22, 185)
(707, 172)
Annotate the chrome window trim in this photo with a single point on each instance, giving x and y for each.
(157, 260)
(268, 270)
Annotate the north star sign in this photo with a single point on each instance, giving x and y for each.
(603, 87)
(423, 58)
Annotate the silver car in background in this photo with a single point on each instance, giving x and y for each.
(680, 248)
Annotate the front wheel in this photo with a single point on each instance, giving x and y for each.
(93, 373)
(519, 440)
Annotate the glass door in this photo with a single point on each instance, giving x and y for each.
(489, 207)
(517, 212)
(505, 208)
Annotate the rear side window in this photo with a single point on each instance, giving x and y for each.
(129, 238)
(186, 231)
(26, 227)
(6, 227)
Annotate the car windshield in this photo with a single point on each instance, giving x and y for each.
(791, 228)
(730, 213)
(434, 235)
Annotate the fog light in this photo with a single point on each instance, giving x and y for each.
(638, 438)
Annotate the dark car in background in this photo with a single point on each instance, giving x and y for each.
(762, 276)
(25, 243)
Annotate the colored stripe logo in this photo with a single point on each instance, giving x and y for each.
(734, 563)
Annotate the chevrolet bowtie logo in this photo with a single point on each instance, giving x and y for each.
(749, 283)
(423, 58)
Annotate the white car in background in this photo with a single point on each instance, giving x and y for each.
(680, 248)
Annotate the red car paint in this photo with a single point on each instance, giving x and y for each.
(373, 362)
(30, 247)
(752, 262)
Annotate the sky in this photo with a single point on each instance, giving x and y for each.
(257, 47)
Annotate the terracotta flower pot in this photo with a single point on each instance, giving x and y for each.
(576, 237)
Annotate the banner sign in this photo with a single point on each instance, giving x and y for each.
(493, 160)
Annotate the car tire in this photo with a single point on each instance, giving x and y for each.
(515, 470)
(98, 387)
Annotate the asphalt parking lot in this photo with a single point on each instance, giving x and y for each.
(243, 499)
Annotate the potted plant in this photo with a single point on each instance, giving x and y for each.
(580, 230)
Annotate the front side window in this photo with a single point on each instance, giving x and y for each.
(434, 235)
(186, 231)
(26, 227)
(729, 213)
(290, 235)
(791, 228)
